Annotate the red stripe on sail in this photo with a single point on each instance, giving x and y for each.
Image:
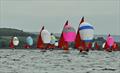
(40, 41)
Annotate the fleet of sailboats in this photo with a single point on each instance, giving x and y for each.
(82, 39)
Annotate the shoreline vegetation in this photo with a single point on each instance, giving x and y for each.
(7, 33)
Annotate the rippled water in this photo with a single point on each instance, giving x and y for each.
(35, 61)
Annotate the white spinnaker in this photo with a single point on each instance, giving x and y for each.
(46, 37)
(15, 41)
(87, 34)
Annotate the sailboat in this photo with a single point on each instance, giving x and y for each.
(79, 44)
(43, 39)
(62, 43)
(67, 36)
(29, 42)
(84, 36)
(14, 42)
(110, 44)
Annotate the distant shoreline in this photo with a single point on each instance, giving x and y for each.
(7, 33)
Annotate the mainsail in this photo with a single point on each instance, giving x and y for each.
(78, 41)
(62, 42)
(40, 41)
(11, 45)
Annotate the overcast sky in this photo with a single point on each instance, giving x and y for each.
(30, 15)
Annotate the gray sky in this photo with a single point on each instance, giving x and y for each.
(30, 15)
